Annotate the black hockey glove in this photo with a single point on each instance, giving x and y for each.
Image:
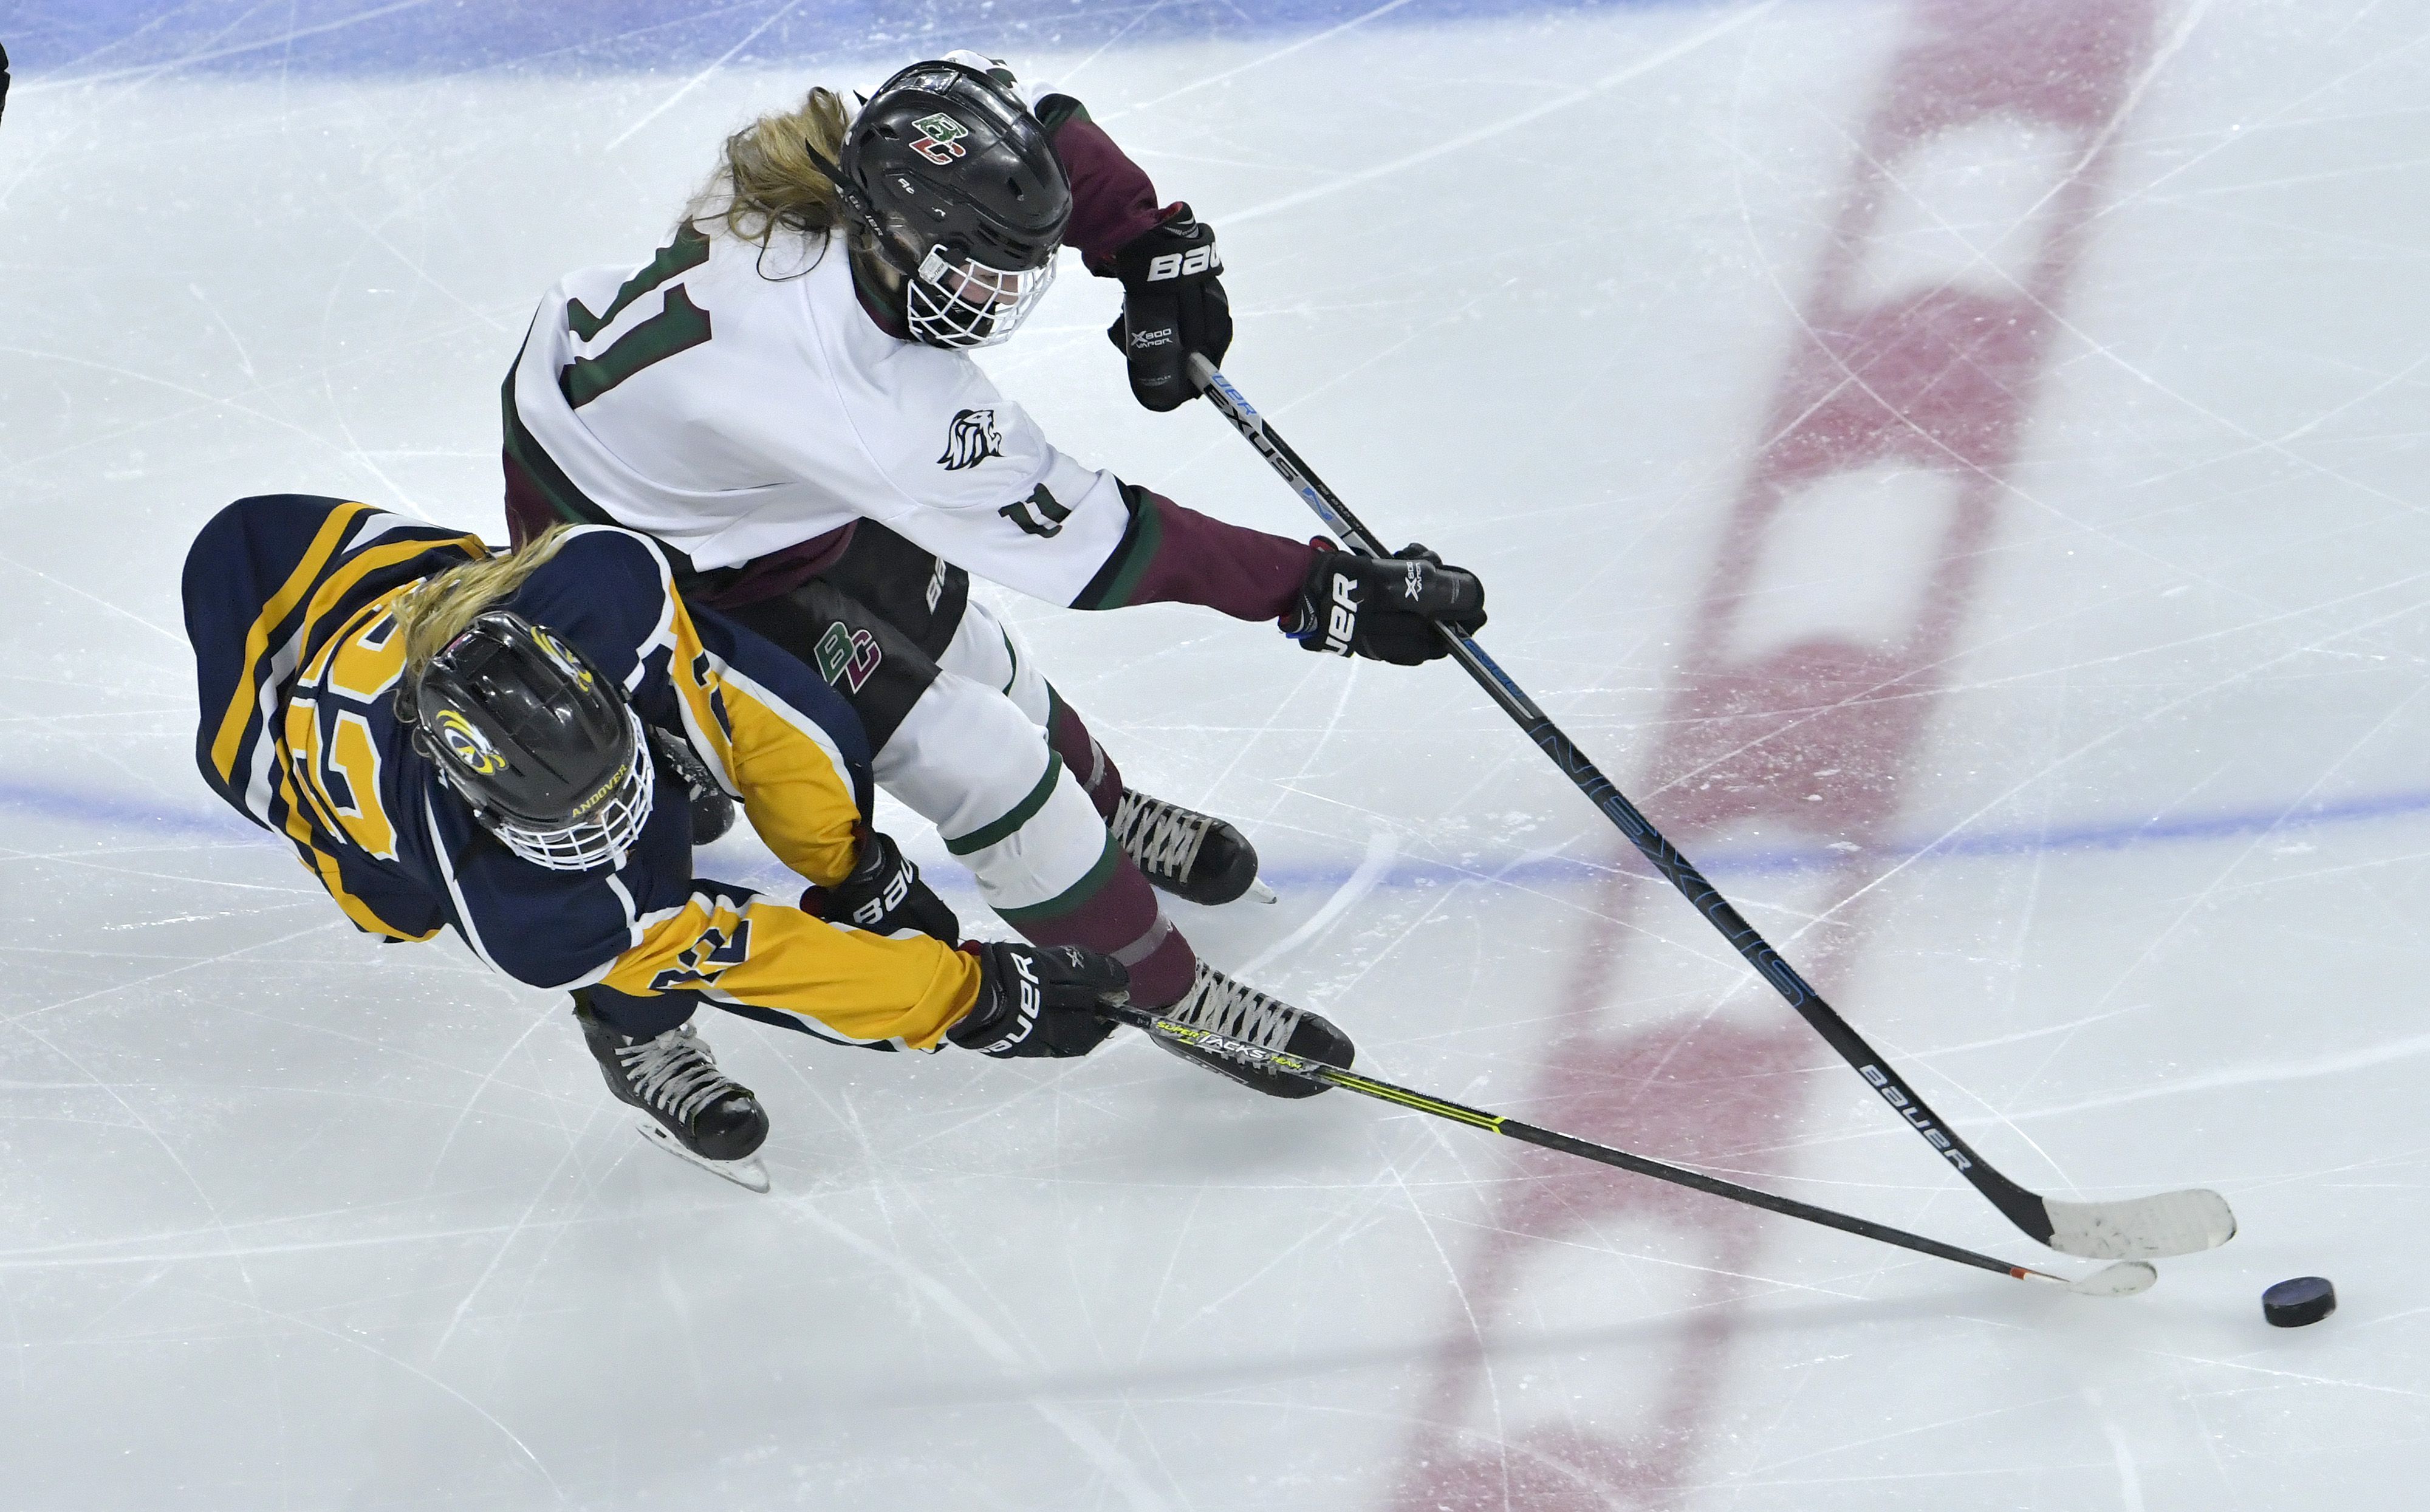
(1384, 607)
(885, 896)
(1173, 305)
(1036, 1002)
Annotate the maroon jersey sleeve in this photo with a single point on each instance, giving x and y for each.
(1112, 200)
(1173, 555)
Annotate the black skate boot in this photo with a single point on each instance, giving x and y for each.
(1220, 1005)
(1185, 852)
(689, 1108)
(712, 811)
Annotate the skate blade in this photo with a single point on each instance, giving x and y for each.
(1260, 893)
(748, 1171)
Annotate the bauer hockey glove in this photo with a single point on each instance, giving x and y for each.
(1040, 1002)
(1384, 607)
(1173, 305)
(885, 896)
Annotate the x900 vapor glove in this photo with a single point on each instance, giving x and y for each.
(1173, 306)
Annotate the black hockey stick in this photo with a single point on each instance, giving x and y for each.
(2122, 1278)
(2177, 1222)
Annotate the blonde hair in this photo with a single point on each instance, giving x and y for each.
(767, 180)
(445, 604)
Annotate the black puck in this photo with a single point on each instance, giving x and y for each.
(2303, 1300)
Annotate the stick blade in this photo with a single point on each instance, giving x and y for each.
(2141, 1228)
(2124, 1279)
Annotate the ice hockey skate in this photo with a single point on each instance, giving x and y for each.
(1193, 856)
(1219, 1004)
(688, 1107)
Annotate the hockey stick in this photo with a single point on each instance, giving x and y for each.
(2178, 1223)
(2121, 1278)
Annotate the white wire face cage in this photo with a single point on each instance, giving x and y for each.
(965, 302)
(604, 832)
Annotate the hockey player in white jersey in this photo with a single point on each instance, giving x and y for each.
(782, 396)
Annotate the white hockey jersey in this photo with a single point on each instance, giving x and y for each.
(733, 402)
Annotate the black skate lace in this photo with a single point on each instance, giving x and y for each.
(1220, 1005)
(1159, 837)
(676, 1071)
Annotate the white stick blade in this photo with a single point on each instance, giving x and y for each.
(2124, 1279)
(748, 1171)
(1260, 893)
(2141, 1228)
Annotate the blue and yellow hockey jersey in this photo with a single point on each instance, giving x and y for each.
(289, 602)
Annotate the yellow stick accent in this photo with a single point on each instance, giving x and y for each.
(1422, 1102)
(1333, 1075)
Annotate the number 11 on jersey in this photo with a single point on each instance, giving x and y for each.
(678, 327)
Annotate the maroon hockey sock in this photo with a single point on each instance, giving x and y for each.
(1121, 918)
(1082, 755)
(1159, 977)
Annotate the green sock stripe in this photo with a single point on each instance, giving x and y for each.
(1072, 897)
(1021, 813)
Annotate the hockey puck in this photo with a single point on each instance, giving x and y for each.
(2303, 1300)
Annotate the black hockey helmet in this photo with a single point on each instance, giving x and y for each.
(541, 744)
(964, 197)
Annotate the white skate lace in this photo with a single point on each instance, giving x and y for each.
(676, 1071)
(1159, 837)
(1216, 1004)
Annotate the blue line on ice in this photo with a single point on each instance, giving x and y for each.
(110, 812)
(240, 38)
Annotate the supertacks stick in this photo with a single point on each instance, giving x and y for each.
(2177, 1222)
(2122, 1278)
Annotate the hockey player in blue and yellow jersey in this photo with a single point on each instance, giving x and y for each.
(500, 744)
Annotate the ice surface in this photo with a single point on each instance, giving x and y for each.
(1960, 467)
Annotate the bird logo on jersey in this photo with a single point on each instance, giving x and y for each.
(943, 142)
(467, 744)
(971, 439)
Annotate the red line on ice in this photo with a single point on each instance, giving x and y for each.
(1937, 378)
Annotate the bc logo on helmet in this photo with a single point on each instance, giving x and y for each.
(942, 143)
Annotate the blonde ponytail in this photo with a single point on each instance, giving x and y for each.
(446, 604)
(767, 179)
